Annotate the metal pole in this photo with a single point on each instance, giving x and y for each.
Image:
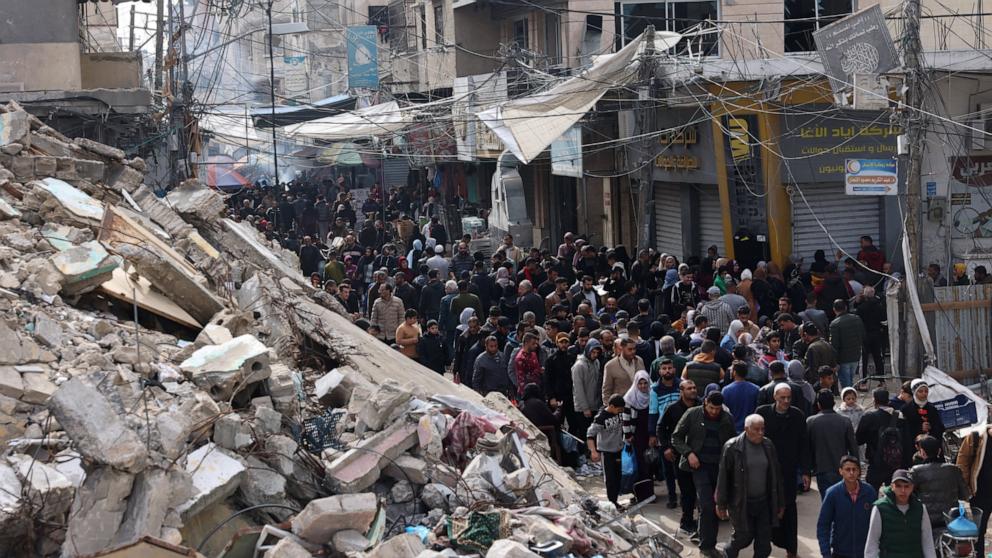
(130, 40)
(647, 116)
(272, 95)
(159, 24)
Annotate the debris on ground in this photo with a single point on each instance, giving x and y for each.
(169, 380)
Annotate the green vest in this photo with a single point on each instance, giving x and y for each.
(900, 531)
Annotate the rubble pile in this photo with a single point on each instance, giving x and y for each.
(167, 374)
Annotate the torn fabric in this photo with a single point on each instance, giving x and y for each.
(378, 120)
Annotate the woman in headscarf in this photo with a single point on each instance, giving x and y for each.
(776, 280)
(919, 416)
(729, 340)
(671, 277)
(796, 373)
(638, 433)
(463, 319)
(503, 277)
(508, 304)
(413, 256)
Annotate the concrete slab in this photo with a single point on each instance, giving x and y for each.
(11, 384)
(95, 427)
(216, 475)
(37, 388)
(137, 290)
(323, 517)
(225, 369)
(361, 466)
(84, 267)
(198, 203)
(48, 490)
(406, 545)
(15, 127)
(77, 203)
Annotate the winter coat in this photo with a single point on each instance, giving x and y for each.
(430, 300)
(587, 380)
(939, 486)
(558, 377)
(842, 526)
(388, 314)
(489, 374)
(971, 457)
(847, 336)
(831, 436)
(432, 352)
(788, 433)
(912, 426)
(731, 482)
(690, 433)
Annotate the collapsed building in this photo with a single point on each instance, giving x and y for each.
(168, 377)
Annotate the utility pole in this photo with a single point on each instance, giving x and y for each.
(914, 128)
(159, 26)
(647, 122)
(272, 96)
(130, 40)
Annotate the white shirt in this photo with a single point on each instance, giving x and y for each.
(875, 533)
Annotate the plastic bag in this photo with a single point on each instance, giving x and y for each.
(628, 469)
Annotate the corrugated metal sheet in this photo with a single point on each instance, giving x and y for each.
(846, 217)
(668, 218)
(962, 319)
(710, 226)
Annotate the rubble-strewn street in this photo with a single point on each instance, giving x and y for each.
(163, 368)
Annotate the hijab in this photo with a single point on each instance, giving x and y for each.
(463, 319)
(502, 277)
(671, 277)
(915, 386)
(412, 257)
(635, 398)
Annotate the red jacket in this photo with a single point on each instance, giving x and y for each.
(528, 370)
(873, 257)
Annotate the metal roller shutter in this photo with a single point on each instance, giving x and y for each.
(395, 171)
(710, 224)
(668, 218)
(847, 218)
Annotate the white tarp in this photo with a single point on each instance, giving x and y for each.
(231, 127)
(529, 124)
(958, 405)
(377, 120)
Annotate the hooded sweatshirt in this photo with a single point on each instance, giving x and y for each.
(587, 379)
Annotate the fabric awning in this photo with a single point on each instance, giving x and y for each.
(341, 154)
(528, 125)
(377, 120)
(235, 128)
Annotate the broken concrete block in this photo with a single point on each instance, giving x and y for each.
(263, 485)
(84, 267)
(98, 432)
(10, 494)
(47, 489)
(43, 276)
(196, 202)
(173, 429)
(70, 464)
(231, 432)
(37, 388)
(437, 497)
(153, 493)
(213, 335)
(65, 168)
(544, 530)
(324, 387)
(506, 548)
(357, 469)
(15, 127)
(408, 468)
(401, 492)
(385, 405)
(216, 475)
(268, 420)
(11, 148)
(50, 145)
(122, 177)
(226, 369)
(7, 211)
(406, 545)
(90, 170)
(47, 331)
(22, 167)
(97, 511)
(11, 384)
(45, 166)
(287, 548)
(323, 517)
(77, 206)
(15, 349)
(100, 149)
(349, 540)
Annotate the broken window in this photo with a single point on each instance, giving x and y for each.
(673, 15)
(439, 23)
(520, 36)
(552, 38)
(803, 17)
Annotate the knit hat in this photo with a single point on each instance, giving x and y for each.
(844, 391)
(915, 384)
(561, 336)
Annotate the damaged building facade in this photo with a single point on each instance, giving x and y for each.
(163, 369)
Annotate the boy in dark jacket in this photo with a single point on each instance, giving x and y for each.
(605, 441)
(431, 348)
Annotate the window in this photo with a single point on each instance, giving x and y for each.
(439, 23)
(673, 15)
(808, 16)
(519, 37)
(552, 38)
(423, 27)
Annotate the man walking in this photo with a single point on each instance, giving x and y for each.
(387, 311)
(785, 426)
(899, 526)
(698, 438)
(489, 370)
(741, 396)
(749, 489)
(618, 374)
(818, 353)
(664, 392)
(666, 426)
(842, 526)
(847, 336)
(831, 436)
(880, 432)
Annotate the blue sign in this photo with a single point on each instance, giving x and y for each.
(959, 411)
(363, 56)
(931, 190)
(871, 177)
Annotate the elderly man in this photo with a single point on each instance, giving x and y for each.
(530, 301)
(749, 489)
(899, 522)
(785, 426)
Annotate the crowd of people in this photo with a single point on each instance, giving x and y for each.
(733, 387)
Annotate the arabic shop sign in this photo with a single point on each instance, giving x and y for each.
(871, 177)
(975, 171)
(858, 44)
(817, 141)
(684, 148)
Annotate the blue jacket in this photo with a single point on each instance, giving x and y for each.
(742, 399)
(842, 527)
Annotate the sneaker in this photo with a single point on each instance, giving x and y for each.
(694, 537)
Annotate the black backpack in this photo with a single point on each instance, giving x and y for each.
(890, 444)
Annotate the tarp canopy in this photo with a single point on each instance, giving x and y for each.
(378, 120)
(230, 127)
(343, 154)
(528, 125)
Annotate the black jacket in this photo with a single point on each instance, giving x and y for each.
(430, 300)
(464, 358)
(766, 396)
(912, 426)
(558, 377)
(431, 351)
(531, 302)
(666, 423)
(869, 427)
(788, 433)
